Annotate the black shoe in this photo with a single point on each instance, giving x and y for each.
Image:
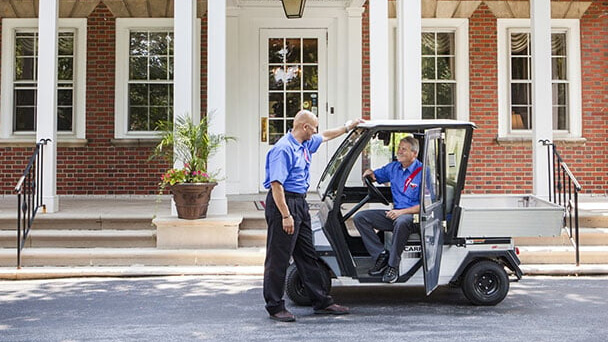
(390, 275)
(380, 265)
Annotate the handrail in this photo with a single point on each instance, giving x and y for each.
(29, 196)
(561, 183)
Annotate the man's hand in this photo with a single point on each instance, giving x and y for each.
(370, 173)
(288, 226)
(393, 214)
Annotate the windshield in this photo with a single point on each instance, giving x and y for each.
(337, 159)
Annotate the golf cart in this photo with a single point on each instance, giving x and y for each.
(464, 241)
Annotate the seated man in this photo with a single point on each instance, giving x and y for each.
(405, 176)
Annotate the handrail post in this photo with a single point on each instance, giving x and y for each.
(578, 253)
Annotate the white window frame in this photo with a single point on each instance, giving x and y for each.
(460, 28)
(9, 26)
(121, 100)
(572, 30)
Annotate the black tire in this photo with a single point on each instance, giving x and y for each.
(294, 288)
(485, 283)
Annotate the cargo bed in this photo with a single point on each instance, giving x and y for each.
(509, 216)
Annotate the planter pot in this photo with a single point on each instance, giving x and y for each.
(192, 199)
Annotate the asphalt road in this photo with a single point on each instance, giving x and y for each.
(230, 308)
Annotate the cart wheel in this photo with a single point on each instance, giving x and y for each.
(295, 289)
(485, 283)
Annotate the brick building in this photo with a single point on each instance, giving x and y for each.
(123, 64)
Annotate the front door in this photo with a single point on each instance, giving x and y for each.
(293, 77)
(432, 208)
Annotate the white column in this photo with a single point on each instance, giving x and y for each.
(355, 72)
(216, 96)
(378, 60)
(46, 107)
(409, 60)
(542, 122)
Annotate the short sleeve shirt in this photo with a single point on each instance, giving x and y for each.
(397, 175)
(288, 162)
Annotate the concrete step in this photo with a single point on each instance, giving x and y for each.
(82, 238)
(42, 222)
(72, 257)
(563, 255)
(587, 236)
(593, 220)
(252, 238)
(256, 222)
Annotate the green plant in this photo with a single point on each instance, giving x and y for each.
(192, 144)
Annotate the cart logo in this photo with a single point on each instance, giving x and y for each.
(413, 249)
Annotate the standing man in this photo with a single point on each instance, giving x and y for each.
(405, 177)
(288, 219)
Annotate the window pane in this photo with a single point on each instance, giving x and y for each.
(520, 93)
(275, 105)
(519, 44)
(65, 45)
(138, 68)
(428, 112)
(428, 93)
(445, 93)
(311, 54)
(138, 44)
(520, 118)
(428, 43)
(292, 46)
(428, 68)
(157, 114)
(275, 78)
(445, 65)
(25, 97)
(560, 118)
(159, 43)
(64, 118)
(275, 50)
(520, 68)
(558, 68)
(25, 69)
(445, 43)
(292, 78)
(64, 97)
(138, 94)
(311, 78)
(560, 94)
(158, 68)
(293, 104)
(276, 127)
(445, 112)
(138, 118)
(159, 95)
(65, 68)
(26, 44)
(558, 44)
(311, 102)
(25, 119)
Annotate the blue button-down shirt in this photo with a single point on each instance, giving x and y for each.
(397, 175)
(288, 162)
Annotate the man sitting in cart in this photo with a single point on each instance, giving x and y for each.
(405, 177)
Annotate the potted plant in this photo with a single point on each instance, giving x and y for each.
(192, 184)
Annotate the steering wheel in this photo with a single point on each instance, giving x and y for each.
(373, 191)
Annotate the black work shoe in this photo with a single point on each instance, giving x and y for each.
(390, 275)
(283, 316)
(380, 265)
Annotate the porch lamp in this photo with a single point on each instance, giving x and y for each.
(293, 8)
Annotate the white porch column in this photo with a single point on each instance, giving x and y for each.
(216, 96)
(355, 72)
(409, 60)
(378, 60)
(46, 107)
(542, 122)
(184, 18)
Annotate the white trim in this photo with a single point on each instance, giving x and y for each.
(123, 27)
(9, 26)
(572, 30)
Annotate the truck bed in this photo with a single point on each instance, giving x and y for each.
(509, 216)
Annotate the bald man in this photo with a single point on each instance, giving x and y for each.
(288, 219)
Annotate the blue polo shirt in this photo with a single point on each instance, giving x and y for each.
(397, 175)
(288, 162)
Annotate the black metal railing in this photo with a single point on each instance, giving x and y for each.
(563, 190)
(29, 196)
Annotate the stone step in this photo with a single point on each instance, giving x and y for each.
(593, 220)
(253, 223)
(587, 236)
(70, 257)
(252, 238)
(563, 255)
(82, 238)
(42, 222)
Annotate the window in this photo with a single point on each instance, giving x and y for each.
(438, 75)
(445, 68)
(515, 82)
(144, 76)
(20, 83)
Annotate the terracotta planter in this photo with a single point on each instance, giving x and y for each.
(192, 199)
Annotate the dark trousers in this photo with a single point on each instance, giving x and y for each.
(402, 227)
(280, 247)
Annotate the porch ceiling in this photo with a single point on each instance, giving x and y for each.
(82, 8)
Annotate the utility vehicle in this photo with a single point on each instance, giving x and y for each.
(464, 241)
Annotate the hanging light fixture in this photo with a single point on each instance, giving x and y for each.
(293, 8)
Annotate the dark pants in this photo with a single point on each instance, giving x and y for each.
(280, 247)
(402, 227)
